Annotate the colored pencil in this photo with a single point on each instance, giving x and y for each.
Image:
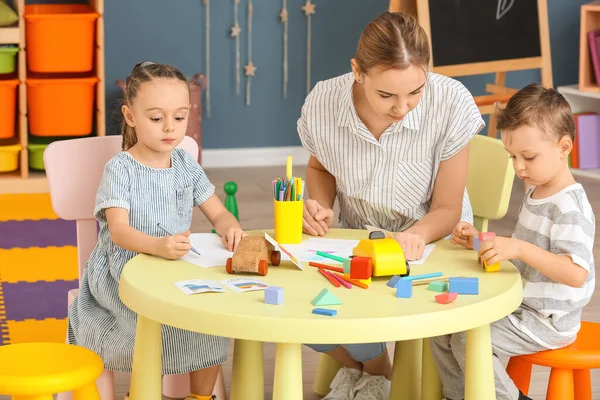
(331, 279)
(347, 285)
(353, 281)
(324, 266)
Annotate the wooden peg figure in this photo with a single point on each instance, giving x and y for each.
(230, 201)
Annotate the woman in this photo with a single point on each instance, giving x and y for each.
(390, 141)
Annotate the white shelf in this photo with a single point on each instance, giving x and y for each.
(573, 90)
(9, 36)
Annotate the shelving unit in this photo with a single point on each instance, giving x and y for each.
(24, 180)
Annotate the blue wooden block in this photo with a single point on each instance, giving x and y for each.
(347, 262)
(392, 282)
(404, 289)
(324, 311)
(476, 243)
(464, 285)
(274, 295)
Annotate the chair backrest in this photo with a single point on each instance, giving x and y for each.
(490, 180)
(74, 169)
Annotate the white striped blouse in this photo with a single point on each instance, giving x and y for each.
(388, 183)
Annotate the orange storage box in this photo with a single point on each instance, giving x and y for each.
(8, 105)
(61, 107)
(60, 37)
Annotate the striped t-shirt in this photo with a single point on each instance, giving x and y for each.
(388, 182)
(561, 224)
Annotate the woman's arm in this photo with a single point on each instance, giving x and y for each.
(320, 183)
(447, 198)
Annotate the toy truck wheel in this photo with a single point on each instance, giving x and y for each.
(275, 258)
(263, 267)
(407, 269)
(229, 266)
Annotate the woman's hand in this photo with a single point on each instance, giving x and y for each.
(463, 235)
(175, 246)
(412, 245)
(316, 219)
(232, 238)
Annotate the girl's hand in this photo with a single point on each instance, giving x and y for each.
(499, 249)
(463, 235)
(173, 247)
(232, 238)
(412, 245)
(316, 219)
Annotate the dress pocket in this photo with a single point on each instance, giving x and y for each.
(185, 201)
(413, 184)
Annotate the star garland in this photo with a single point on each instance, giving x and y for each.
(309, 9)
(207, 49)
(235, 33)
(285, 20)
(250, 69)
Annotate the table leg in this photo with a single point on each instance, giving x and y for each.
(479, 366)
(146, 371)
(288, 372)
(247, 376)
(431, 384)
(406, 380)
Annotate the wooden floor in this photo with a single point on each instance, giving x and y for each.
(254, 203)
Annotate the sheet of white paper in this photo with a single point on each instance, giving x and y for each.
(428, 249)
(286, 253)
(209, 245)
(194, 286)
(242, 285)
(307, 250)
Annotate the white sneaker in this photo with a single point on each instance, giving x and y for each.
(341, 386)
(372, 387)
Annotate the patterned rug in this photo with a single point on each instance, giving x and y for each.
(38, 266)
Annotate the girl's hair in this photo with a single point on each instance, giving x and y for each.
(143, 72)
(540, 107)
(393, 40)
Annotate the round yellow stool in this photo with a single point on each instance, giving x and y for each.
(36, 371)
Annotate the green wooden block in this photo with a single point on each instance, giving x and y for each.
(438, 286)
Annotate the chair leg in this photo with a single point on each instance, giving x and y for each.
(560, 386)
(583, 384)
(176, 386)
(520, 372)
(88, 392)
(326, 370)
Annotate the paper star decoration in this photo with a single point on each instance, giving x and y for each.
(309, 8)
(284, 15)
(250, 69)
(235, 30)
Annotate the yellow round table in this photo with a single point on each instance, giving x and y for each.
(147, 286)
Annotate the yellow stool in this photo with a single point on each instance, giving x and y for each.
(35, 371)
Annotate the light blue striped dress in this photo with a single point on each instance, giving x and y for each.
(98, 319)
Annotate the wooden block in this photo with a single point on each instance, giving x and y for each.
(464, 285)
(360, 268)
(446, 298)
(392, 282)
(483, 236)
(438, 286)
(347, 262)
(404, 289)
(274, 295)
(476, 243)
(491, 268)
(325, 298)
(325, 311)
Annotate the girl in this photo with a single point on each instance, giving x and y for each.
(552, 244)
(149, 183)
(390, 141)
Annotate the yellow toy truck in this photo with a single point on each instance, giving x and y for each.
(387, 257)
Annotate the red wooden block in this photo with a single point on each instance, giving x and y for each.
(360, 268)
(446, 298)
(483, 236)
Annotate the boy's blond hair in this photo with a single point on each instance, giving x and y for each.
(540, 107)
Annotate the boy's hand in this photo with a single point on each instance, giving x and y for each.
(412, 245)
(232, 238)
(499, 249)
(173, 247)
(463, 235)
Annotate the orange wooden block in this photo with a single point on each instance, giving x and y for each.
(360, 268)
(446, 298)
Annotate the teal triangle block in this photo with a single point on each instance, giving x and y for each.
(326, 298)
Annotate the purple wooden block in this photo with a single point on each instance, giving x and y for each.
(274, 295)
(588, 135)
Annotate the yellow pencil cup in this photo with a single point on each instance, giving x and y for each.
(288, 221)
